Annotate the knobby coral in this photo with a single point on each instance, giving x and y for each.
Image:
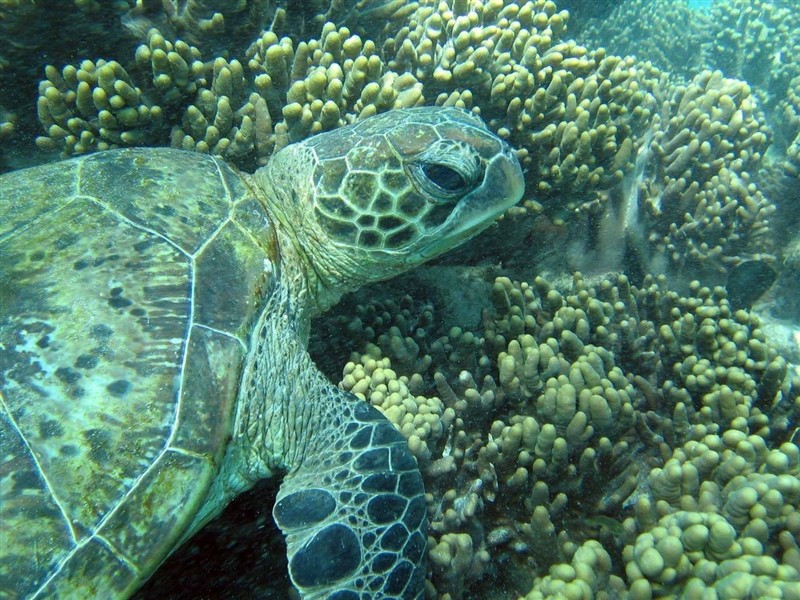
(596, 424)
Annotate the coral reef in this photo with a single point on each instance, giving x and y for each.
(666, 32)
(758, 41)
(754, 40)
(217, 27)
(596, 133)
(49, 30)
(568, 110)
(789, 111)
(578, 425)
(701, 207)
(581, 438)
(724, 514)
(96, 106)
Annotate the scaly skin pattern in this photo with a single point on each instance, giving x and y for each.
(155, 309)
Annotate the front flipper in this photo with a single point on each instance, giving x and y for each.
(353, 511)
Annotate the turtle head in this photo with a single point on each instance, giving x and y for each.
(373, 199)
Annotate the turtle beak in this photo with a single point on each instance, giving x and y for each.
(502, 187)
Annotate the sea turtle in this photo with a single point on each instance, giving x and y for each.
(155, 313)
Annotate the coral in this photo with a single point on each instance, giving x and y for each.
(667, 32)
(758, 41)
(216, 27)
(99, 105)
(587, 576)
(421, 419)
(700, 205)
(175, 70)
(754, 40)
(94, 106)
(462, 56)
(724, 513)
(7, 125)
(576, 115)
(789, 110)
(320, 85)
(325, 83)
(568, 110)
(565, 410)
(50, 30)
(214, 122)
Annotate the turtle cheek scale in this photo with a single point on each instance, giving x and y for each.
(397, 216)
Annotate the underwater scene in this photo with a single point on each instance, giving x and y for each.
(600, 389)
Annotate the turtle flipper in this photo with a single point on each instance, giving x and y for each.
(353, 511)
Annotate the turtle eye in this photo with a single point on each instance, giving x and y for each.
(442, 183)
(445, 177)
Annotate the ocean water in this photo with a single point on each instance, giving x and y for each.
(601, 391)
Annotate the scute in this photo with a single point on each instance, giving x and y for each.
(21, 194)
(27, 510)
(68, 346)
(116, 419)
(149, 188)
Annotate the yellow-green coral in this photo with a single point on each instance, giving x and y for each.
(325, 83)
(667, 32)
(567, 406)
(704, 204)
(421, 419)
(588, 575)
(7, 126)
(216, 26)
(94, 106)
(789, 109)
(728, 521)
(320, 85)
(176, 69)
(567, 109)
(701, 205)
(756, 40)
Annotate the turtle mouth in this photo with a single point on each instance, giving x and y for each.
(502, 187)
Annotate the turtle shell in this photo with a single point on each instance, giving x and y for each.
(129, 281)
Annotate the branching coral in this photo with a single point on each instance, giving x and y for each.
(701, 205)
(566, 410)
(576, 115)
(6, 124)
(95, 106)
(567, 109)
(99, 105)
(758, 41)
(217, 27)
(667, 32)
(753, 40)
(325, 83)
(789, 109)
(724, 514)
